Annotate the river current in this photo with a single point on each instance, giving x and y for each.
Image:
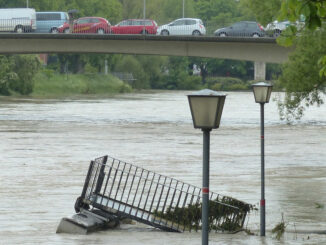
(46, 146)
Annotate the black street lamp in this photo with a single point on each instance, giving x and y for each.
(262, 92)
(206, 108)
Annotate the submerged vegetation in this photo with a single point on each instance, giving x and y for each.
(279, 229)
(225, 214)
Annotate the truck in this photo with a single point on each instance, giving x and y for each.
(18, 20)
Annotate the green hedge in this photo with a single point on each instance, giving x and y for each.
(227, 84)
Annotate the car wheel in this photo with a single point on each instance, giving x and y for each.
(19, 29)
(54, 31)
(165, 33)
(66, 30)
(196, 33)
(100, 31)
(223, 34)
(255, 35)
(276, 33)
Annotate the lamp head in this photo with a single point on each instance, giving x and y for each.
(206, 108)
(262, 92)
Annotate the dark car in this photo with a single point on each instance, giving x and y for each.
(241, 29)
(135, 26)
(88, 25)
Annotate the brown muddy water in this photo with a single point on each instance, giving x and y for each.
(46, 146)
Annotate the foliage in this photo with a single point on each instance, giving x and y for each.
(301, 77)
(74, 84)
(312, 12)
(7, 75)
(226, 83)
(264, 11)
(129, 63)
(224, 214)
(218, 13)
(17, 73)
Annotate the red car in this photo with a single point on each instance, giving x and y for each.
(88, 25)
(135, 26)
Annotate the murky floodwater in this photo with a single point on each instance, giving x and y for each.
(46, 146)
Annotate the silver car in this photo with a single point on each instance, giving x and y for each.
(184, 26)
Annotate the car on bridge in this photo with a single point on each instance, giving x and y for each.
(275, 28)
(241, 29)
(135, 26)
(88, 25)
(183, 26)
(48, 22)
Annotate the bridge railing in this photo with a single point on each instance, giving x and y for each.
(126, 190)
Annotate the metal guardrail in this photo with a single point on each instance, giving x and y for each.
(126, 190)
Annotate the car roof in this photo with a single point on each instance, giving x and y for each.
(138, 19)
(50, 12)
(245, 21)
(188, 19)
(92, 17)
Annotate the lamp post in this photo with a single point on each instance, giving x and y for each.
(183, 8)
(262, 92)
(206, 108)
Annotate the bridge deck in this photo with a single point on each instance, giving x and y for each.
(252, 49)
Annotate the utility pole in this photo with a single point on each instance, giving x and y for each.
(183, 8)
(144, 9)
(27, 3)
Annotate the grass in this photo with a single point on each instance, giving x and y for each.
(62, 85)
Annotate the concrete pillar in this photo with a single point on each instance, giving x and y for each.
(106, 68)
(260, 70)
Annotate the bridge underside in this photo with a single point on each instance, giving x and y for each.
(251, 49)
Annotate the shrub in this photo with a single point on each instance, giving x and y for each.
(226, 83)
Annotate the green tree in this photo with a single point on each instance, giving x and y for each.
(130, 64)
(300, 75)
(7, 75)
(264, 11)
(26, 67)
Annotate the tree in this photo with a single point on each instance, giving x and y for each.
(7, 75)
(218, 13)
(300, 75)
(264, 11)
(26, 67)
(302, 81)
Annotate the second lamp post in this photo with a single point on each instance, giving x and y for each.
(206, 108)
(262, 92)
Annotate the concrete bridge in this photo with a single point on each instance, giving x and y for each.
(263, 50)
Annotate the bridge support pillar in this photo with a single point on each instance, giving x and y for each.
(260, 70)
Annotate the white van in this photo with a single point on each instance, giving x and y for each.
(18, 20)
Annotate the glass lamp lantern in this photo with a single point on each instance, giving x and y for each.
(206, 108)
(262, 92)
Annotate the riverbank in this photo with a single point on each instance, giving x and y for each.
(49, 85)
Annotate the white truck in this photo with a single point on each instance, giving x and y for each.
(17, 20)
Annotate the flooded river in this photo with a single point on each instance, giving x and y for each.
(46, 146)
